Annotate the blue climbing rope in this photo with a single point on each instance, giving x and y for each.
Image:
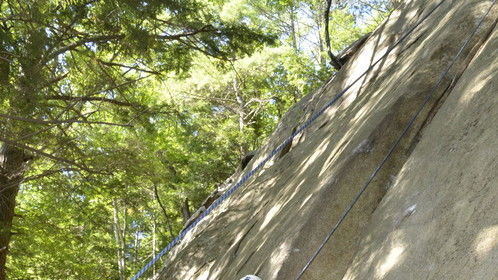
(275, 151)
(394, 146)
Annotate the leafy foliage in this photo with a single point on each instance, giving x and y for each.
(136, 109)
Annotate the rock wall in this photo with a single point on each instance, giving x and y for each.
(440, 218)
(430, 213)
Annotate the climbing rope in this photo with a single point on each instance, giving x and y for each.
(305, 125)
(395, 144)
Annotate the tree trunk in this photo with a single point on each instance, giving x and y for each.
(241, 111)
(293, 28)
(322, 60)
(136, 246)
(336, 63)
(186, 211)
(12, 168)
(154, 225)
(166, 216)
(119, 232)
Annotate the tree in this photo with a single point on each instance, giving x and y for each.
(70, 66)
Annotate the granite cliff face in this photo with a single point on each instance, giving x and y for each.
(432, 210)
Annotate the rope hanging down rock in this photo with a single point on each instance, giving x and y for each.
(305, 125)
(395, 144)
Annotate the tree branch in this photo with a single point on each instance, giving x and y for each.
(89, 99)
(50, 156)
(206, 28)
(39, 121)
(107, 38)
(47, 173)
(108, 63)
(29, 135)
(96, 39)
(35, 177)
(55, 80)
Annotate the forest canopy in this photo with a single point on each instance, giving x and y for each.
(118, 118)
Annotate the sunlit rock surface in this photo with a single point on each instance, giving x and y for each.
(432, 211)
